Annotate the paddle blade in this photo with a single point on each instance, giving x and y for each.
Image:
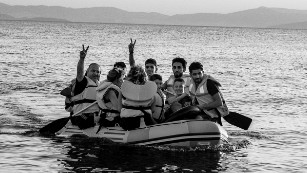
(238, 120)
(54, 126)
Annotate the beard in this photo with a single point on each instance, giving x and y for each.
(178, 74)
(198, 80)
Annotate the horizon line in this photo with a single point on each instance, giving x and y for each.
(154, 11)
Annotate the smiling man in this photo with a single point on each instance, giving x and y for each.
(84, 92)
(206, 94)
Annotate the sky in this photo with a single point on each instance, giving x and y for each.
(169, 7)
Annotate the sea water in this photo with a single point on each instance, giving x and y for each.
(262, 71)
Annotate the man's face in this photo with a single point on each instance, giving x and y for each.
(178, 87)
(94, 73)
(158, 83)
(150, 69)
(177, 69)
(197, 75)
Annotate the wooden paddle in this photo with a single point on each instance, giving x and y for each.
(233, 118)
(58, 124)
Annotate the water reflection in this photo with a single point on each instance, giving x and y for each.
(99, 155)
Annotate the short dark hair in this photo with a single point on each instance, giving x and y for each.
(120, 64)
(152, 61)
(179, 80)
(114, 74)
(180, 60)
(195, 66)
(155, 77)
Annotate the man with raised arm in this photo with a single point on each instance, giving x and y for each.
(150, 64)
(83, 92)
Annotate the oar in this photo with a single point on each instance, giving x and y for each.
(58, 124)
(233, 118)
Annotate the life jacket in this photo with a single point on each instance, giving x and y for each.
(107, 107)
(67, 92)
(158, 112)
(137, 98)
(170, 83)
(85, 98)
(202, 96)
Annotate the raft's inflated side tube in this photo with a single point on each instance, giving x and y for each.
(185, 113)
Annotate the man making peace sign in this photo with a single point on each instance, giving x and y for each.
(83, 91)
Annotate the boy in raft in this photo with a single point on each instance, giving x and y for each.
(138, 100)
(178, 99)
(158, 112)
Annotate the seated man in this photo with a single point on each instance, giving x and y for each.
(205, 93)
(83, 93)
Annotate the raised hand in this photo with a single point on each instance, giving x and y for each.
(83, 52)
(131, 46)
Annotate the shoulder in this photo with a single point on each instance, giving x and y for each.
(80, 86)
(84, 80)
(212, 87)
(172, 77)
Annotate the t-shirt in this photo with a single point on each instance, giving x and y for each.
(80, 86)
(211, 87)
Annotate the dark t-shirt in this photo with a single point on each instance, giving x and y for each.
(211, 87)
(80, 86)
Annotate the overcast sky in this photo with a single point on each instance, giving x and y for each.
(169, 7)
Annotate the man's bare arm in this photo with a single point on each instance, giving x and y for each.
(80, 66)
(131, 51)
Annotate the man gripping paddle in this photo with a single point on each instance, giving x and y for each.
(206, 94)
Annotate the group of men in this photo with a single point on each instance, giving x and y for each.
(178, 91)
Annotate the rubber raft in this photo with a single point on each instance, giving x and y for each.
(188, 132)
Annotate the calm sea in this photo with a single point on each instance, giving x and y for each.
(263, 74)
